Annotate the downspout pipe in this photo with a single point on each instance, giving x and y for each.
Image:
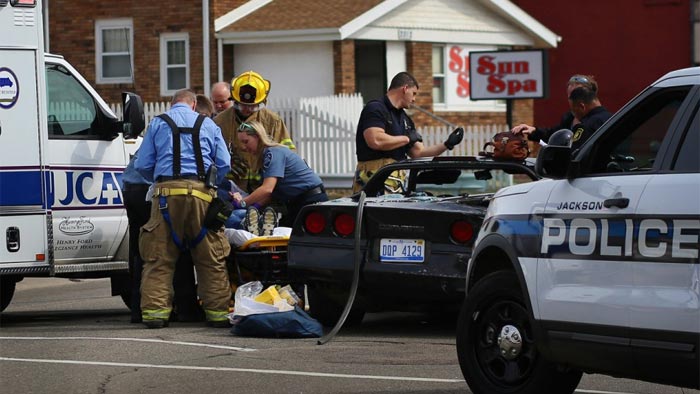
(205, 48)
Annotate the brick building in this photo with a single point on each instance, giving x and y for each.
(305, 47)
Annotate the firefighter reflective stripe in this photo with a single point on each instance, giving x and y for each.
(216, 315)
(163, 191)
(288, 143)
(155, 314)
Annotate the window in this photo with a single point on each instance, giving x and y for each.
(632, 143)
(688, 159)
(174, 63)
(438, 74)
(71, 108)
(113, 50)
(450, 65)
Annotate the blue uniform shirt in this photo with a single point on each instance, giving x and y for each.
(132, 176)
(294, 177)
(155, 156)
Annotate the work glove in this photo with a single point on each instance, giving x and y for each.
(413, 137)
(454, 138)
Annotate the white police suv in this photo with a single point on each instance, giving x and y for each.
(596, 268)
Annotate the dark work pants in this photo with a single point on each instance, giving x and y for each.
(138, 211)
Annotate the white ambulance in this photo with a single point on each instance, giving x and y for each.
(62, 154)
(596, 269)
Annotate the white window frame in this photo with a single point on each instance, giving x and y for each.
(164, 39)
(440, 74)
(107, 24)
(465, 106)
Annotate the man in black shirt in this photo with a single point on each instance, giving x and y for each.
(568, 120)
(386, 134)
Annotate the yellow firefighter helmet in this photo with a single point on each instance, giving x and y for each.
(250, 88)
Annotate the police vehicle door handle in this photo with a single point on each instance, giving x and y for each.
(616, 202)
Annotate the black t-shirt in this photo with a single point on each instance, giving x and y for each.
(381, 113)
(589, 124)
(543, 133)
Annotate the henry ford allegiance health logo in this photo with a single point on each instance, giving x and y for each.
(76, 226)
(9, 88)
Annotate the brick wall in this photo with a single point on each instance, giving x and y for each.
(72, 32)
(344, 66)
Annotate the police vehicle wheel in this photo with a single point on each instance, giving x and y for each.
(496, 347)
(7, 291)
(325, 307)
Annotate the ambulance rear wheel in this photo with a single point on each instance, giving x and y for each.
(7, 290)
(126, 298)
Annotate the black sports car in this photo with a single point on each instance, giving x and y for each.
(414, 245)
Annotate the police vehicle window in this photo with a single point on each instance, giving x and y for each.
(71, 109)
(631, 145)
(688, 159)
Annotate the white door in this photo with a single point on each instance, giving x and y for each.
(22, 204)
(89, 219)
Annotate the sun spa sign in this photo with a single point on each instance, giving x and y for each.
(497, 75)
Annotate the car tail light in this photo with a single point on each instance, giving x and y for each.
(344, 224)
(314, 223)
(461, 231)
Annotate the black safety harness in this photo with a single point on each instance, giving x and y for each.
(184, 245)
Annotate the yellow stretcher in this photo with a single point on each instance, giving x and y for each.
(262, 258)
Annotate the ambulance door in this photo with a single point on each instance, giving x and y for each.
(86, 161)
(22, 203)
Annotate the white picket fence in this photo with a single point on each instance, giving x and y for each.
(324, 128)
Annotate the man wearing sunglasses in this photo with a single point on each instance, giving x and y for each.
(570, 120)
(249, 92)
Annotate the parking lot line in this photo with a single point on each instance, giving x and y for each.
(229, 369)
(234, 348)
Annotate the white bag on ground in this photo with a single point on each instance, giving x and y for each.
(246, 305)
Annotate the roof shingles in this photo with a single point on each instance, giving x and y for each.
(302, 15)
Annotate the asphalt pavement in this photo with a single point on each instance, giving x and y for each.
(63, 336)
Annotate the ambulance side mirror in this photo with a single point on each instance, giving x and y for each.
(133, 115)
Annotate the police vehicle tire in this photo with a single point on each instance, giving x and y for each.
(324, 307)
(496, 302)
(7, 291)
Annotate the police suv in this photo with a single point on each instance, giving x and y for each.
(596, 268)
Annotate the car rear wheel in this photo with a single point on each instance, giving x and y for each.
(496, 347)
(326, 307)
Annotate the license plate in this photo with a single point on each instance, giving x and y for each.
(402, 250)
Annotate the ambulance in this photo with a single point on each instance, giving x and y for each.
(62, 154)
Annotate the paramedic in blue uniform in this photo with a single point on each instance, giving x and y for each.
(179, 214)
(285, 176)
(385, 134)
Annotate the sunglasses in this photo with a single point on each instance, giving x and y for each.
(579, 79)
(246, 128)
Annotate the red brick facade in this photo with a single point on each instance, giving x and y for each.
(344, 66)
(72, 32)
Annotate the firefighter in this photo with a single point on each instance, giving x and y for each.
(249, 92)
(179, 152)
